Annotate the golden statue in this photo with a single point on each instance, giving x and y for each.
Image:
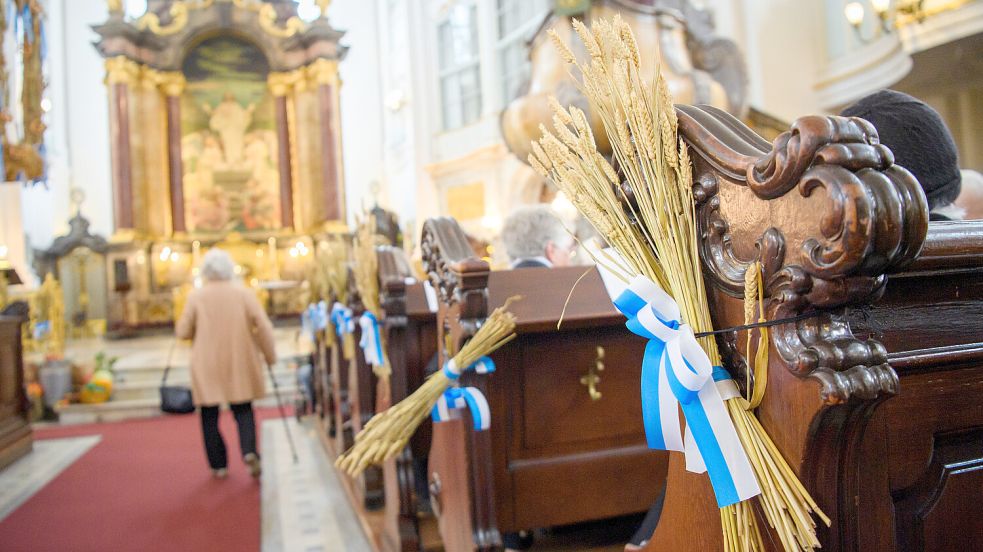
(47, 319)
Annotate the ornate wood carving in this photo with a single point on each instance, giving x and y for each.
(461, 281)
(889, 446)
(460, 278)
(842, 216)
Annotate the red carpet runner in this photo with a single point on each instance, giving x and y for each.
(145, 487)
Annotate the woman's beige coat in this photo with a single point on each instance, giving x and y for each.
(231, 336)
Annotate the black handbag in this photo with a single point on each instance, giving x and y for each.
(174, 399)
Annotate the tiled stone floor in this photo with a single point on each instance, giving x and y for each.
(304, 507)
(20, 480)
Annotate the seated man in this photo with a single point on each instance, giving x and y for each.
(921, 143)
(535, 237)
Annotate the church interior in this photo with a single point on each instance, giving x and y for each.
(491, 275)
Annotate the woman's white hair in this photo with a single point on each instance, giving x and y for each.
(529, 229)
(217, 265)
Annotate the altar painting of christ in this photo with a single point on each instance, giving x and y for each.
(228, 139)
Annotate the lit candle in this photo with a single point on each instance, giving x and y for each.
(273, 259)
(195, 253)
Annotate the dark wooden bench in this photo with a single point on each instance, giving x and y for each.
(557, 451)
(410, 330)
(875, 400)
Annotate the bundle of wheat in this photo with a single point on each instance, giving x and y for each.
(388, 432)
(646, 213)
(366, 273)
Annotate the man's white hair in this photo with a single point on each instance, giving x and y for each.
(529, 229)
(217, 265)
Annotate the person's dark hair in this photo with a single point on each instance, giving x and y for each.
(919, 139)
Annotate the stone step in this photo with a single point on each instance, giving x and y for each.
(119, 409)
(154, 373)
(127, 389)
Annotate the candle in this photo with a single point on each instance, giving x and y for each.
(273, 259)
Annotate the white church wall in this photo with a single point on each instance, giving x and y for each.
(361, 103)
(78, 127)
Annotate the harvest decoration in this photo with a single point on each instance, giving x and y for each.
(23, 160)
(366, 273)
(645, 210)
(387, 433)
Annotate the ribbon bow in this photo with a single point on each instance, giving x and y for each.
(341, 317)
(459, 397)
(677, 371)
(371, 342)
(314, 318)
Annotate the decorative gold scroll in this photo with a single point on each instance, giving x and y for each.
(266, 14)
(179, 19)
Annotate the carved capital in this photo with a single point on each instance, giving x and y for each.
(171, 83)
(122, 70)
(283, 83)
(323, 72)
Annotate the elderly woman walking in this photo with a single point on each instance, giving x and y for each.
(232, 337)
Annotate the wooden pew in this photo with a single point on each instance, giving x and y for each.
(15, 427)
(556, 453)
(361, 384)
(410, 334)
(874, 400)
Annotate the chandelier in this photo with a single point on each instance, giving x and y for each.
(894, 14)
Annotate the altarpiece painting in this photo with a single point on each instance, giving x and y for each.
(228, 139)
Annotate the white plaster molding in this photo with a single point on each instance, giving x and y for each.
(865, 70)
(887, 60)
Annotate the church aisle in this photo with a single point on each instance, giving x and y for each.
(304, 506)
(145, 486)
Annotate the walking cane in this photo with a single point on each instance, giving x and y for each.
(283, 414)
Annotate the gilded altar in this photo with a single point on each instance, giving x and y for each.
(225, 130)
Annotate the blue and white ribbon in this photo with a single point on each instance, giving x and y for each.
(676, 372)
(341, 317)
(371, 341)
(459, 397)
(314, 318)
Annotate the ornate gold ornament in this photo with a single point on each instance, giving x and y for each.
(179, 19)
(282, 83)
(122, 70)
(323, 71)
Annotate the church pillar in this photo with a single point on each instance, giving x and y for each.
(121, 74)
(324, 73)
(172, 84)
(280, 86)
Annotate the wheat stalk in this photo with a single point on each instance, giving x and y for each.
(388, 432)
(366, 273)
(650, 220)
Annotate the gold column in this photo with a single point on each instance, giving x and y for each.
(323, 75)
(121, 75)
(282, 87)
(172, 85)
